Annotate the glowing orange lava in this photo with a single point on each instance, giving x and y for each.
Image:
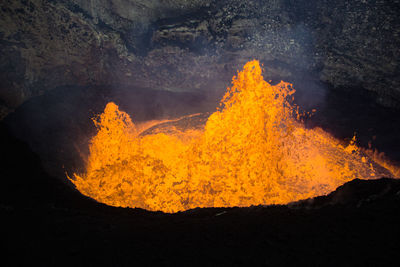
(250, 152)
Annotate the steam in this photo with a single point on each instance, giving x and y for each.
(250, 152)
(174, 79)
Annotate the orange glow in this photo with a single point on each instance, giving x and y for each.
(251, 151)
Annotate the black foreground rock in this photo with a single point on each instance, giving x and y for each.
(47, 223)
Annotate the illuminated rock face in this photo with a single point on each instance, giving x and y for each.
(251, 151)
(192, 44)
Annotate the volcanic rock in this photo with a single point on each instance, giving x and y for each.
(196, 45)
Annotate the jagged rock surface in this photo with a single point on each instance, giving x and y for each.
(195, 45)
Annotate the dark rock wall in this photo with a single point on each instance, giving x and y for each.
(43, 46)
(196, 45)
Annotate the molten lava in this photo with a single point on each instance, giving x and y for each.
(251, 151)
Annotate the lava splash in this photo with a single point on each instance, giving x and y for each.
(251, 151)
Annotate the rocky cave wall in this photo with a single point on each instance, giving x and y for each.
(196, 45)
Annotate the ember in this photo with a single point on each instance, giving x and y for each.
(251, 151)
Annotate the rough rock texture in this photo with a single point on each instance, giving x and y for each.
(46, 45)
(196, 45)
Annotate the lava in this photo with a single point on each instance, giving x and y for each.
(251, 151)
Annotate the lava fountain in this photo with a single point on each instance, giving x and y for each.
(252, 151)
